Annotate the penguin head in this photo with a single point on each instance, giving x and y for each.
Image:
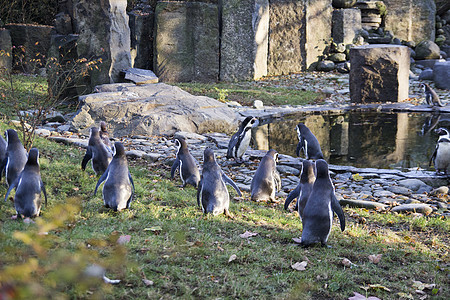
(274, 154)
(208, 155)
(11, 136)
(94, 132)
(250, 122)
(308, 173)
(442, 131)
(180, 142)
(118, 149)
(33, 157)
(300, 128)
(321, 168)
(103, 126)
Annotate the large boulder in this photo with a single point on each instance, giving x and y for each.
(152, 109)
(441, 75)
(411, 20)
(102, 26)
(379, 73)
(5, 50)
(186, 46)
(427, 50)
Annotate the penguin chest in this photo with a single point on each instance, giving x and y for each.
(243, 144)
(442, 161)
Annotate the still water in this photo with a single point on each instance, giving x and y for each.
(376, 140)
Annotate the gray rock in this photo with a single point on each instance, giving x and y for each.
(426, 74)
(399, 190)
(140, 76)
(258, 104)
(135, 153)
(190, 136)
(428, 63)
(325, 65)
(288, 170)
(440, 190)
(42, 132)
(382, 193)
(346, 25)
(379, 73)
(6, 48)
(415, 208)
(63, 128)
(441, 75)
(362, 204)
(153, 157)
(427, 50)
(412, 184)
(337, 57)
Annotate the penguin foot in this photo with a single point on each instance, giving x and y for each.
(14, 217)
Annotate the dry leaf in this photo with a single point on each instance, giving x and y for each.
(297, 240)
(147, 282)
(123, 239)
(358, 296)
(248, 234)
(232, 257)
(375, 258)
(299, 266)
(423, 286)
(346, 262)
(379, 286)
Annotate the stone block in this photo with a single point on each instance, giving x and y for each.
(141, 27)
(140, 76)
(5, 50)
(244, 41)
(441, 75)
(346, 25)
(411, 20)
(186, 45)
(379, 73)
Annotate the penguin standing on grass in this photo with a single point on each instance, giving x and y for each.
(240, 141)
(212, 193)
(29, 185)
(266, 180)
(186, 163)
(98, 152)
(318, 212)
(118, 189)
(308, 143)
(16, 157)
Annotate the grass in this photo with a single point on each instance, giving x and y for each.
(246, 93)
(176, 252)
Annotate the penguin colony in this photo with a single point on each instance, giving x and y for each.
(316, 200)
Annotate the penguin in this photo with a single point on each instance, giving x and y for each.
(186, 163)
(266, 180)
(3, 146)
(318, 212)
(98, 152)
(212, 193)
(29, 185)
(441, 154)
(431, 97)
(303, 189)
(308, 142)
(104, 134)
(16, 157)
(240, 141)
(118, 189)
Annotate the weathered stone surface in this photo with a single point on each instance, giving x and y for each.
(379, 73)
(5, 49)
(244, 41)
(286, 43)
(104, 33)
(411, 20)
(427, 50)
(325, 65)
(415, 207)
(152, 109)
(412, 184)
(441, 75)
(63, 24)
(362, 204)
(346, 25)
(141, 29)
(140, 76)
(426, 74)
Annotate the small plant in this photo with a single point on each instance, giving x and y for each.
(222, 94)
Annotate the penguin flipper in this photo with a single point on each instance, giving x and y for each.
(336, 207)
(277, 179)
(433, 157)
(295, 193)
(297, 150)
(131, 180)
(13, 185)
(231, 145)
(44, 191)
(229, 181)
(174, 168)
(102, 178)
(87, 157)
(199, 191)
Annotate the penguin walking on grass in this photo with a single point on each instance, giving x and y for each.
(308, 143)
(318, 212)
(441, 154)
(431, 97)
(28, 185)
(98, 152)
(266, 180)
(303, 189)
(212, 193)
(186, 163)
(118, 188)
(15, 159)
(240, 141)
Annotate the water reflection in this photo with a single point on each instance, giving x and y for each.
(379, 140)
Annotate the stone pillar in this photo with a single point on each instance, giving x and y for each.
(141, 27)
(104, 33)
(5, 50)
(346, 25)
(379, 73)
(244, 43)
(186, 45)
(318, 30)
(411, 20)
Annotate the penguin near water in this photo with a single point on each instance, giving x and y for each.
(266, 180)
(15, 158)
(29, 185)
(186, 164)
(212, 193)
(431, 97)
(118, 188)
(308, 143)
(318, 212)
(441, 154)
(303, 189)
(240, 141)
(98, 152)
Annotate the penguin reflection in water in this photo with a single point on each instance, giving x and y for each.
(308, 143)
(97, 151)
(266, 180)
(318, 212)
(29, 185)
(212, 193)
(240, 141)
(441, 155)
(118, 189)
(186, 164)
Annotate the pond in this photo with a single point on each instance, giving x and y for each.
(402, 141)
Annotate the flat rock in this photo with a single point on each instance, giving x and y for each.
(140, 76)
(399, 190)
(362, 204)
(416, 208)
(288, 170)
(70, 141)
(382, 193)
(412, 184)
